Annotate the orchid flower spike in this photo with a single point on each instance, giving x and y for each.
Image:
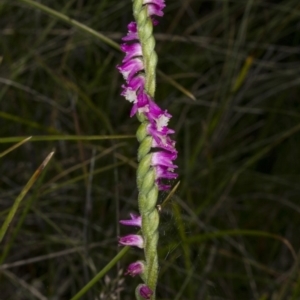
(157, 150)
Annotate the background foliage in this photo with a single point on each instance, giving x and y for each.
(231, 230)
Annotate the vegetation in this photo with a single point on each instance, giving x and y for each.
(228, 73)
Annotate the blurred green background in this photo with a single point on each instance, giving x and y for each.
(231, 230)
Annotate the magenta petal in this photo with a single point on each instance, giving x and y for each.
(132, 240)
(158, 120)
(155, 111)
(142, 104)
(132, 32)
(157, 116)
(137, 82)
(159, 134)
(144, 291)
(164, 143)
(131, 50)
(130, 68)
(133, 110)
(164, 172)
(136, 220)
(133, 86)
(135, 268)
(144, 98)
(161, 139)
(160, 3)
(162, 187)
(154, 10)
(132, 27)
(154, 21)
(164, 158)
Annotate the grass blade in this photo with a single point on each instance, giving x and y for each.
(14, 146)
(44, 138)
(91, 283)
(21, 196)
(99, 36)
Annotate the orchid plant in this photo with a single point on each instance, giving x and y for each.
(157, 151)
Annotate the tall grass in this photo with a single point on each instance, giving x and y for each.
(229, 74)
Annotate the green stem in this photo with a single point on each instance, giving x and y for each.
(145, 33)
(148, 191)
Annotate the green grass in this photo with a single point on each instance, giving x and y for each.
(228, 72)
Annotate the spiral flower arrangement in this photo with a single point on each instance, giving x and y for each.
(157, 151)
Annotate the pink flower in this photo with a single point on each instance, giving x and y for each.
(161, 137)
(135, 85)
(159, 3)
(163, 187)
(141, 105)
(136, 220)
(155, 7)
(130, 68)
(164, 173)
(132, 32)
(164, 159)
(132, 240)
(154, 10)
(137, 82)
(144, 291)
(163, 142)
(135, 268)
(155, 111)
(131, 51)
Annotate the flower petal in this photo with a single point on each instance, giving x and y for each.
(159, 3)
(158, 116)
(144, 291)
(163, 142)
(163, 187)
(154, 10)
(135, 268)
(155, 111)
(130, 90)
(130, 68)
(132, 32)
(132, 240)
(136, 220)
(164, 172)
(159, 134)
(137, 82)
(141, 105)
(129, 94)
(131, 50)
(164, 158)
